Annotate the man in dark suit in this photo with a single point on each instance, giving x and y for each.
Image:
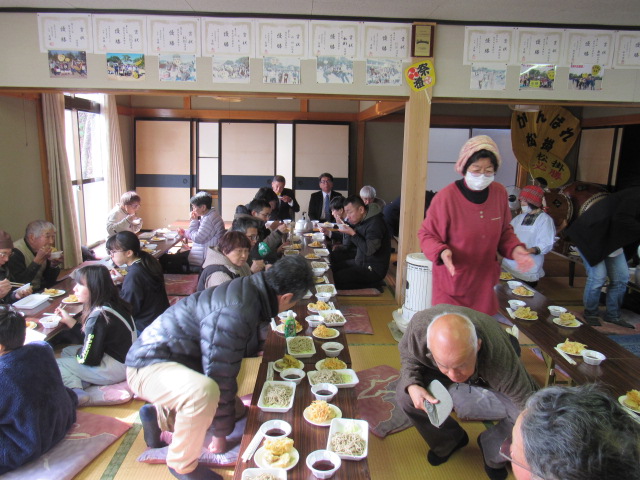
(287, 205)
(320, 202)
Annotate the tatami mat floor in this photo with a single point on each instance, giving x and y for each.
(401, 455)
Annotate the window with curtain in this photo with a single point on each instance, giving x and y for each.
(85, 133)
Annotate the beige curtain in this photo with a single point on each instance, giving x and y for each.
(62, 201)
(114, 175)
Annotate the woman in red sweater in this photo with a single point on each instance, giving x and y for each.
(467, 224)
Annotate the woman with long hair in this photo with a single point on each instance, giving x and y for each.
(107, 328)
(143, 285)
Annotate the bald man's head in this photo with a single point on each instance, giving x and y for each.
(454, 345)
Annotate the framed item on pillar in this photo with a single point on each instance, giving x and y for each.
(422, 40)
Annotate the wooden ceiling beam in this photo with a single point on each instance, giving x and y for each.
(236, 114)
(380, 109)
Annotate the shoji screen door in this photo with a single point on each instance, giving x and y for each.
(247, 162)
(320, 148)
(163, 171)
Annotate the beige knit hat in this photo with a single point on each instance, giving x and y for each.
(473, 145)
(5, 240)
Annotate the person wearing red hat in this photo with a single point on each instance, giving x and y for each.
(536, 230)
(467, 223)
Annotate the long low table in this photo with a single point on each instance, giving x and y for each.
(307, 437)
(619, 372)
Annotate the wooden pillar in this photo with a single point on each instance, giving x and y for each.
(414, 179)
(44, 163)
(359, 183)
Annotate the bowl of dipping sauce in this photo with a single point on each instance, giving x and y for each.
(292, 375)
(314, 320)
(318, 272)
(324, 391)
(284, 315)
(556, 310)
(323, 463)
(274, 429)
(50, 321)
(55, 255)
(332, 349)
(591, 357)
(513, 284)
(323, 296)
(515, 304)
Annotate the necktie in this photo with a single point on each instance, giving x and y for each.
(327, 211)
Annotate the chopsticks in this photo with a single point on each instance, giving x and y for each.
(253, 446)
(15, 284)
(565, 356)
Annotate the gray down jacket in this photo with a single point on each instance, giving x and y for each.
(211, 332)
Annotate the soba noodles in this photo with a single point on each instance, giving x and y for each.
(277, 396)
(348, 444)
(299, 345)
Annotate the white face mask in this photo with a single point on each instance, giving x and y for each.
(479, 182)
(525, 208)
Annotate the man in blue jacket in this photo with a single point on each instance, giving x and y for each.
(187, 360)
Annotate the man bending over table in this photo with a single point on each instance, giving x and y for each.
(365, 229)
(187, 360)
(455, 344)
(31, 260)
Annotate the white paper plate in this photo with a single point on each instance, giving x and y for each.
(67, 302)
(526, 296)
(335, 334)
(320, 364)
(258, 457)
(280, 328)
(57, 294)
(572, 354)
(336, 411)
(353, 380)
(278, 369)
(621, 399)
(283, 409)
(574, 324)
(307, 353)
(346, 425)
(32, 301)
(331, 307)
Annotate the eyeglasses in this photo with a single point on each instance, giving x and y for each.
(111, 252)
(135, 206)
(505, 452)
(252, 237)
(489, 172)
(6, 255)
(325, 181)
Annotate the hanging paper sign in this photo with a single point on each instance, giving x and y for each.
(421, 75)
(541, 141)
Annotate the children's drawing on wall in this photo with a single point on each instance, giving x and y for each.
(586, 77)
(284, 70)
(125, 66)
(488, 76)
(537, 77)
(67, 64)
(177, 68)
(230, 69)
(334, 70)
(384, 72)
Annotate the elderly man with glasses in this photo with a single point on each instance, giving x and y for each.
(32, 260)
(457, 345)
(574, 433)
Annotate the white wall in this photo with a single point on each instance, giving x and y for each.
(28, 67)
(21, 198)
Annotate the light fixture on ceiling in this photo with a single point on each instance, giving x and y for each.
(525, 108)
(228, 99)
